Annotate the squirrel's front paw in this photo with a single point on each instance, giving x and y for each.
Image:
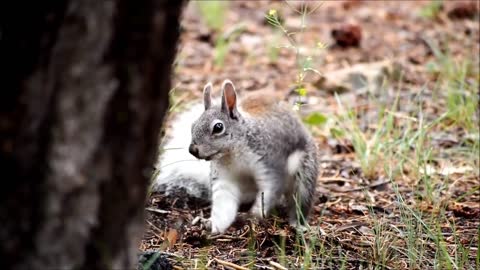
(218, 226)
(210, 224)
(215, 230)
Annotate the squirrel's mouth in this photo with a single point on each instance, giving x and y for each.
(210, 157)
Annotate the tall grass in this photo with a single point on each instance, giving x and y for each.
(213, 12)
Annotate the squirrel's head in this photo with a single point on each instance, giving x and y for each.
(214, 132)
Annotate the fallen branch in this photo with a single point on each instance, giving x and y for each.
(277, 265)
(327, 180)
(208, 263)
(229, 264)
(155, 227)
(373, 185)
(160, 211)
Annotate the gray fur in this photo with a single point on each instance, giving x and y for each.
(251, 157)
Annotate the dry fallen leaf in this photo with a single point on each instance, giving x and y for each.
(172, 237)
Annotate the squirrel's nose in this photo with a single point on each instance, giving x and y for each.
(193, 149)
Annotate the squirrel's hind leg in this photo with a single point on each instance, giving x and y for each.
(270, 186)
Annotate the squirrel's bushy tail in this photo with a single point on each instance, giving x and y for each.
(305, 187)
(176, 166)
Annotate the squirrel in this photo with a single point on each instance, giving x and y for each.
(258, 151)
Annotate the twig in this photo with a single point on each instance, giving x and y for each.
(328, 204)
(293, 8)
(334, 179)
(208, 263)
(277, 265)
(376, 184)
(224, 240)
(196, 220)
(351, 225)
(155, 227)
(262, 266)
(224, 236)
(315, 8)
(263, 241)
(248, 264)
(245, 232)
(229, 264)
(160, 211)
(401, 115)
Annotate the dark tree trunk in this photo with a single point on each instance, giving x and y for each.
(84, 88)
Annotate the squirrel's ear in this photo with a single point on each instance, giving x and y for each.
(229, 99)
(207, 100)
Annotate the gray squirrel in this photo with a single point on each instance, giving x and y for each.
(255, 150)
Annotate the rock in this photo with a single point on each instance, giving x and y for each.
(369, 76)
(347, 35)
(464, 10)
(349, 4)
(250, 42)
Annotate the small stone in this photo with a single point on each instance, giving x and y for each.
(359, 77)
(348, 35)
(349, 4)
(463, 10)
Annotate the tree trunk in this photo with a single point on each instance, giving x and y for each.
(83, 93)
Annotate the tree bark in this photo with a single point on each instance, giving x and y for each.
(84, 90)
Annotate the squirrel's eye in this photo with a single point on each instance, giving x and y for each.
(217, 128)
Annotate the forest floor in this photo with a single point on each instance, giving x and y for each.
(391, 92)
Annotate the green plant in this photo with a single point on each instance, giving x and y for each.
(382, 250)
(432, 9)
(273, 49)
(148, 264)
(304, 62)
(222, 44)
(213, 12)
(368, 147)
(460, 81)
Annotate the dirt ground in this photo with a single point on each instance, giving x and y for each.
(352, 206)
